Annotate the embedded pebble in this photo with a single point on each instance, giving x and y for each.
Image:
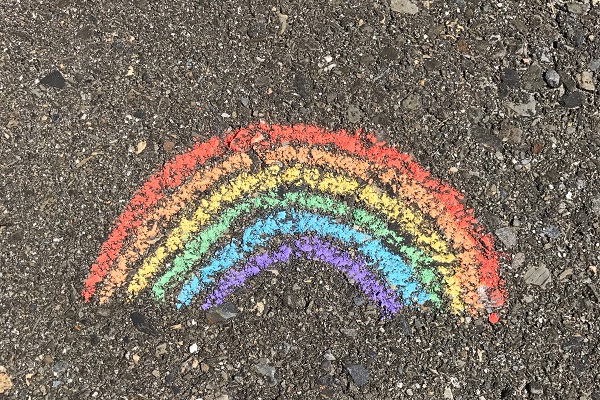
(358, 373)
(54, 79)
(565, 274)
(354, 114)
(572, 100)
(5, 381)
(595, 206)
(534, 388)
(404, 7)
(577, 8)
(533, 78)
(510, 77)
(585, 81)
(160, 350)
(523, 109)
(59, 367)
(221, 313)
(537, 275)
(266, 370)
(551, 231)
(141, 324)
(518, 260)
(508, 236)
(352, 333)
(552, 78)
(412, 102)
(448, 394)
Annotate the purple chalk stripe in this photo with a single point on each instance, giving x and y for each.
(312, 248)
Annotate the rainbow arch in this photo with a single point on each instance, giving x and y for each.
(323, 193)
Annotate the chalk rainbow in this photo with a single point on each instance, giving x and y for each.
(230, 207)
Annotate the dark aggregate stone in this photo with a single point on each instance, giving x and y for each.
(303, 85)
(389, 53)
(432, 65)
(571, 27)
(140, 114)
(573, 343)
(572, 100)
(567, 80)
(142, 324)
(54, 79)
(510, 77)
(404, 327)
(507, 393)
(221, 313)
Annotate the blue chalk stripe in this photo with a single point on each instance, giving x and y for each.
(396, 271)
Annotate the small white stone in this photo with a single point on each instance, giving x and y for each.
(193, 348)
(448, 394)
(260, 308)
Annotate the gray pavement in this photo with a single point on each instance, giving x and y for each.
(500, 99)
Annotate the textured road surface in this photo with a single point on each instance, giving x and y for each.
(500, 99)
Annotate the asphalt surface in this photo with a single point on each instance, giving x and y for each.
(499, 99)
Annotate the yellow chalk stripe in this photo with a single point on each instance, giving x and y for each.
(188, 227)
(453, 289)
(408, 220)
(245, 184)
(144, 234)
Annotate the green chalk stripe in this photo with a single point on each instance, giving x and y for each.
(201, 243)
